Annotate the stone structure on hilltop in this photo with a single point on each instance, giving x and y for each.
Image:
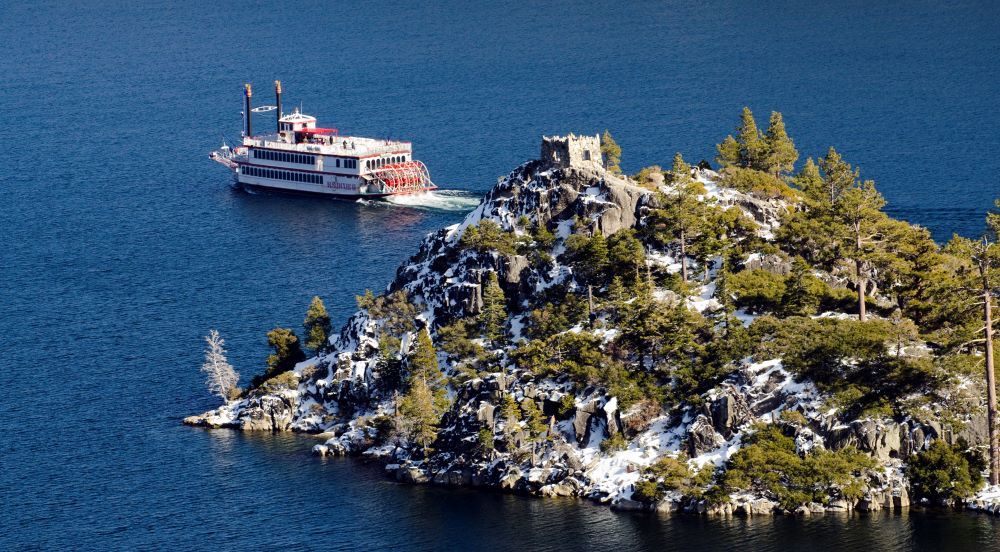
(572, 151)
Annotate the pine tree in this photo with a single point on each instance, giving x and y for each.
(509, 411)
(725, 298)
(220, 377)
(729, 152)
(986, 259)
(417, 408)
(494, 314)
(838, 176)
(612, 153)
(287, 351)
(426, 398)
(780, 150)
(510, 414)
(617, 296)
(979, 284)
(316, 325)
(810, 181)
(589, 258)
(902, 331)
(423, 362)
(682, 218)
(753, 150)
(859, 209)
(800, 297)
(710, 241)
(625, 253)
(534, 417)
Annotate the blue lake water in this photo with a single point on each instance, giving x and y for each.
(121, 244)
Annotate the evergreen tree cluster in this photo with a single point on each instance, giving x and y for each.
(771, 152)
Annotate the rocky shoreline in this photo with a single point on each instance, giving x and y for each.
(344, 393)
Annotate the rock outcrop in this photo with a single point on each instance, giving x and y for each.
(347, 392)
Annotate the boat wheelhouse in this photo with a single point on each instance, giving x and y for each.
(300, 157)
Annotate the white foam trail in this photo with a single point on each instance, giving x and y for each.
(440, 200)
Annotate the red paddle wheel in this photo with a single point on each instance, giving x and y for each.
(401, 178)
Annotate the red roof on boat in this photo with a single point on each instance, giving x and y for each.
(318, 131)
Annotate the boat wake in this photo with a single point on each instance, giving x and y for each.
(438, 200)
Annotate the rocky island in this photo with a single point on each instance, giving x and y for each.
(742, 341)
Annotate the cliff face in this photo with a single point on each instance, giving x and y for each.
(342, 392)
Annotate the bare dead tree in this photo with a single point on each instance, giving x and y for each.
(220, 377)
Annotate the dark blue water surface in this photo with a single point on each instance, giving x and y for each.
(121, 245)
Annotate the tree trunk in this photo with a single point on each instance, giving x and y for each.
(991, 392)
(684, 261)
(862, 281)
(590, 306)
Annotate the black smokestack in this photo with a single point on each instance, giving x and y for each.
(277, 100)
(248, 92)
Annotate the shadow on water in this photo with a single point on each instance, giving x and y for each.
(439, 518)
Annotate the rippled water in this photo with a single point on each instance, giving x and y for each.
(121, 244)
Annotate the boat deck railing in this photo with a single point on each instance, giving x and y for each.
(348, 146)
